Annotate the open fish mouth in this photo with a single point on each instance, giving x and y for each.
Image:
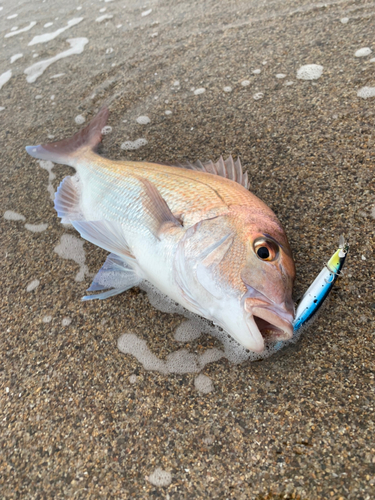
(270, 332)
(273, 323)
(268, 322)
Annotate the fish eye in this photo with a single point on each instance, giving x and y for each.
(266, 250)
(263, 253)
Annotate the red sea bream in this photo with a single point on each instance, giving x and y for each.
(197, 234)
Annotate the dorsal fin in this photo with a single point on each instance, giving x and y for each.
(229, 169)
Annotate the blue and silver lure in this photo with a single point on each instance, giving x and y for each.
(319, 290)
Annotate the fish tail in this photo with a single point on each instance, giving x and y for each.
(69, 151)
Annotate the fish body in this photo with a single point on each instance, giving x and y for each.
(198, 235)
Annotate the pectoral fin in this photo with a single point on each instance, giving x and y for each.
(160, 215)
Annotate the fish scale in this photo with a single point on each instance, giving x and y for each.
(184, 190)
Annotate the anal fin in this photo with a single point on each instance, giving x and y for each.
(115, 276)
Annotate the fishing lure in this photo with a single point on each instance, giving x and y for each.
(319, 290)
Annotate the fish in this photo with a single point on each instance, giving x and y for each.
(195, 232)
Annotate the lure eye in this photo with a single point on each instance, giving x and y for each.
(266, 250)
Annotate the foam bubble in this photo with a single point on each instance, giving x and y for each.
(199, 91)
(258, 96)
(160, 477)
(36, 228)
(79, 119)
(2, 108)
(22, 30)
(106, 130)
(203, 384)
(104, 17)
(31, 286)
(366, 92)
(227, 89)
(280, 75)
(71, 247)
(168, 112)
(47, 25)
(10, 215)
(344, 20)
(176, 83)
(5, 77)
(245, 83)
(58, 75)
(365, 51)
(131, 344)
(103, 9)
(188, 330)
(15, 58)
(180, 361)
(310, 72)
(48, 165)
(77, 46)
(143, 120)
(66, 321)
(12, 16)
(109, 50)
(131, 145)
(146, 12)
(46, 37)
(289, 83)
(47, 319)
(14, 28)
(257, 71)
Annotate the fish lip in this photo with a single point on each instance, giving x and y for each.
(257, 344)
(274, 322)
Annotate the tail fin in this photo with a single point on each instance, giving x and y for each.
(67, 150)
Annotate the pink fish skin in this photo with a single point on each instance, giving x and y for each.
(196, 233)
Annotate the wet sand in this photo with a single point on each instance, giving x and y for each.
(78, 418)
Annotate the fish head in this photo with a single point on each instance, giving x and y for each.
(239, 272)
(268, 276)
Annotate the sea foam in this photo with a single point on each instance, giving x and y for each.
(77, 46)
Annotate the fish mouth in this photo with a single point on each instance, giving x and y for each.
(271, 326)
(268, 322)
